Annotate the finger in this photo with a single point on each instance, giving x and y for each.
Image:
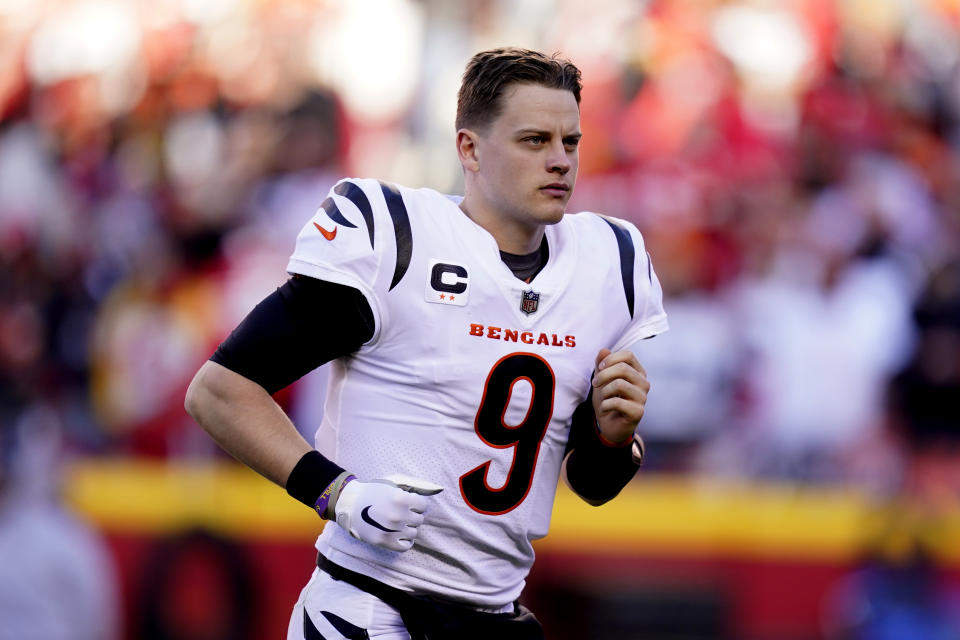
(402, 544)
(620, 388)
(414, 519)
(630, 410)
(423, 491)
(611, 359)
(414, 485)
(601, 356)
(620, 371)
(386, 481)
(416, 502)
(624, 355)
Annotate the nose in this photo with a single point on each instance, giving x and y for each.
(557, 160)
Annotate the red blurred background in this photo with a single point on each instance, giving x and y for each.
(794, 167)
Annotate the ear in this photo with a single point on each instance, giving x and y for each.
(467, 150)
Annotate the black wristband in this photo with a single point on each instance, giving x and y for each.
(598, 471)
(312, 474)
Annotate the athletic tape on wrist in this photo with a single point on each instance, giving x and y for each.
(327, 502)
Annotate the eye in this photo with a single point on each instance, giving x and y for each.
(571, 143)
(534, 139)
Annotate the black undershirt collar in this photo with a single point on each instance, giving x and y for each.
(528, 265)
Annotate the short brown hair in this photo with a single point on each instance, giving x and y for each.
(489, 72)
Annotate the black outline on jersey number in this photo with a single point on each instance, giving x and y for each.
(493, 431)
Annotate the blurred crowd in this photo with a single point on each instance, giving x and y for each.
(794, 166)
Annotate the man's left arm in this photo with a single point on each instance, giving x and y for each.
(603, 451)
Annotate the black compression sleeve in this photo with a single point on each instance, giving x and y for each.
(595, 469)
(300, 326)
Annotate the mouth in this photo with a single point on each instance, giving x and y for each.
(556, 189)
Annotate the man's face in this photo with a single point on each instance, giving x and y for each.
(528, 156)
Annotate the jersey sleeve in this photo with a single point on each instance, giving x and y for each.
(339, 244)
(648, 317)
(276, 343)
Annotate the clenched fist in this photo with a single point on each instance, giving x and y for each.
(619, 396)
(386, 512)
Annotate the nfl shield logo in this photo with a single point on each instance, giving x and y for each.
(529, 301)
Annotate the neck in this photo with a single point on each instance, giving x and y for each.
(511, 236)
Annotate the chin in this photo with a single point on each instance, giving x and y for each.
(551, 210)
(554, 214)
(554, 219)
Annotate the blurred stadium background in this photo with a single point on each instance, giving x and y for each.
(794, 165)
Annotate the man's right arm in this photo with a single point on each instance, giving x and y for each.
(245, 421)
(305, 323)
(277, 343)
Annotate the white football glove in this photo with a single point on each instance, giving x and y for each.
(382, 513)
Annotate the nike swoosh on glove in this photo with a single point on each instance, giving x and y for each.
(381, 513)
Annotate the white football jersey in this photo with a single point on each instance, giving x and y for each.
(471, 377)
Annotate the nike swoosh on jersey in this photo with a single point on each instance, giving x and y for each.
(329, 235)
(373, 523)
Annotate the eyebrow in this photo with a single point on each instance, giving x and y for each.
(540, 132)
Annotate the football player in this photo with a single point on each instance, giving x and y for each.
(480, 350)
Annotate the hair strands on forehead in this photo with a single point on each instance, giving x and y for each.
(489, 73)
